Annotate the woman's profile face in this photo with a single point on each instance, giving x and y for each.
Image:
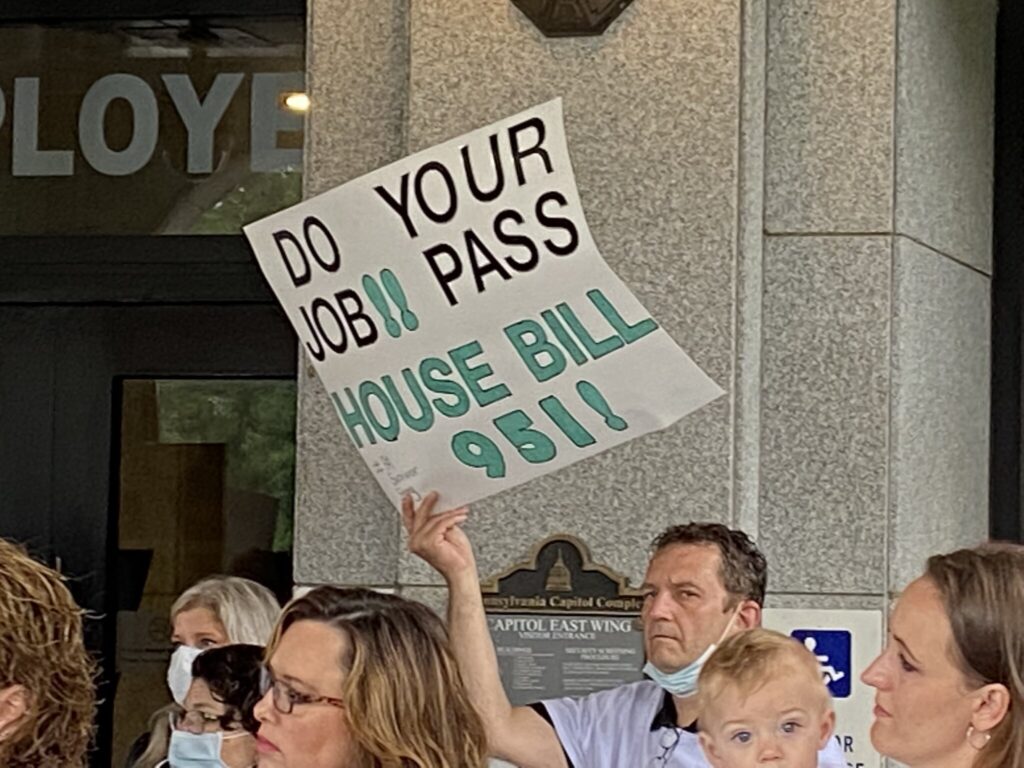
(922, 701)
(304, 668)
(198, 628)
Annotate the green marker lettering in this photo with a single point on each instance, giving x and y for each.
(531, 352)
(430, 366)
(629, 333)
(534, 446)
(389, 430)
(597, 349)
(353, 418)
(473, 374)
(478, 451)
(420, 423)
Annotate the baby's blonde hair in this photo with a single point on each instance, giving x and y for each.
(750, 660)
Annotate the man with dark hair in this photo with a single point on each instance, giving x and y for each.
(704, 582)
(744, 569)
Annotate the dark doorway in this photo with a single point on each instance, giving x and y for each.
(207, 473)
(84, 319)
(64, 357)
(1007, 515)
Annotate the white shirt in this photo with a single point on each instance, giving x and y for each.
(632, 725)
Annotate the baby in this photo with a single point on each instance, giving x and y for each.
(763, 701)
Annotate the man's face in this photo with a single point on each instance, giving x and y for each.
(686, 607)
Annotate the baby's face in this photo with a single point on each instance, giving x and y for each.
(783, 724)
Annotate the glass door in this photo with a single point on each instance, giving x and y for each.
(206, 482)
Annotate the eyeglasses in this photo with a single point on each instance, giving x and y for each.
(668, 743)
(195, 721)
(285, 697)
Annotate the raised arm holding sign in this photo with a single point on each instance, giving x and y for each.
(518, 734)
(704, 582)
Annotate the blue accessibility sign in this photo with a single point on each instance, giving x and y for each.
(833, 648)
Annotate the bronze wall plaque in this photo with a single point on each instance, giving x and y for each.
(563, 625)
(571, 18)
(560, 576)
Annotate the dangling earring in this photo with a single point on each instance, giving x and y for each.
(970, 738)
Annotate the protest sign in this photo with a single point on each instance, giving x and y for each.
(467, 330)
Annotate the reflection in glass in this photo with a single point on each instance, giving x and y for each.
(207, 472)
(142, 127)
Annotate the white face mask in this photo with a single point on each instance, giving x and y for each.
(683, 682)
(179, 672)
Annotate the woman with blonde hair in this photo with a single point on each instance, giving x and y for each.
(47, 698)
(359, 679)
(950, 681)
(216, 611)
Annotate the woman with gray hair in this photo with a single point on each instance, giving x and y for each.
(219, 610)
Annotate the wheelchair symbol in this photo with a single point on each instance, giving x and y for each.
(828, 672)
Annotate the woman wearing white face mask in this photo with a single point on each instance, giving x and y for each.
(216, 728)
(215, 611)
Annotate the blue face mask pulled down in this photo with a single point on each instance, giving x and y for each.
(683, 682)
(195, 750)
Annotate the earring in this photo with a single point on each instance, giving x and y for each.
(971, 740)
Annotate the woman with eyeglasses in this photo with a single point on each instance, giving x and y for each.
(359, 679)
(216, 727)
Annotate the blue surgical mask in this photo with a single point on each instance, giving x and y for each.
(683, 682)
(197, 750)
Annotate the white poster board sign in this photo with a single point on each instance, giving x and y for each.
(845, 642)
(467, 330)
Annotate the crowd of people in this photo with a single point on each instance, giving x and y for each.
(354, 678)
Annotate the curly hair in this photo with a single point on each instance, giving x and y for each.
(744, 570)
(406, 703)
(232, 673)
(42, 650)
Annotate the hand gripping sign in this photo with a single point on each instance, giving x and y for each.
(467, 330)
